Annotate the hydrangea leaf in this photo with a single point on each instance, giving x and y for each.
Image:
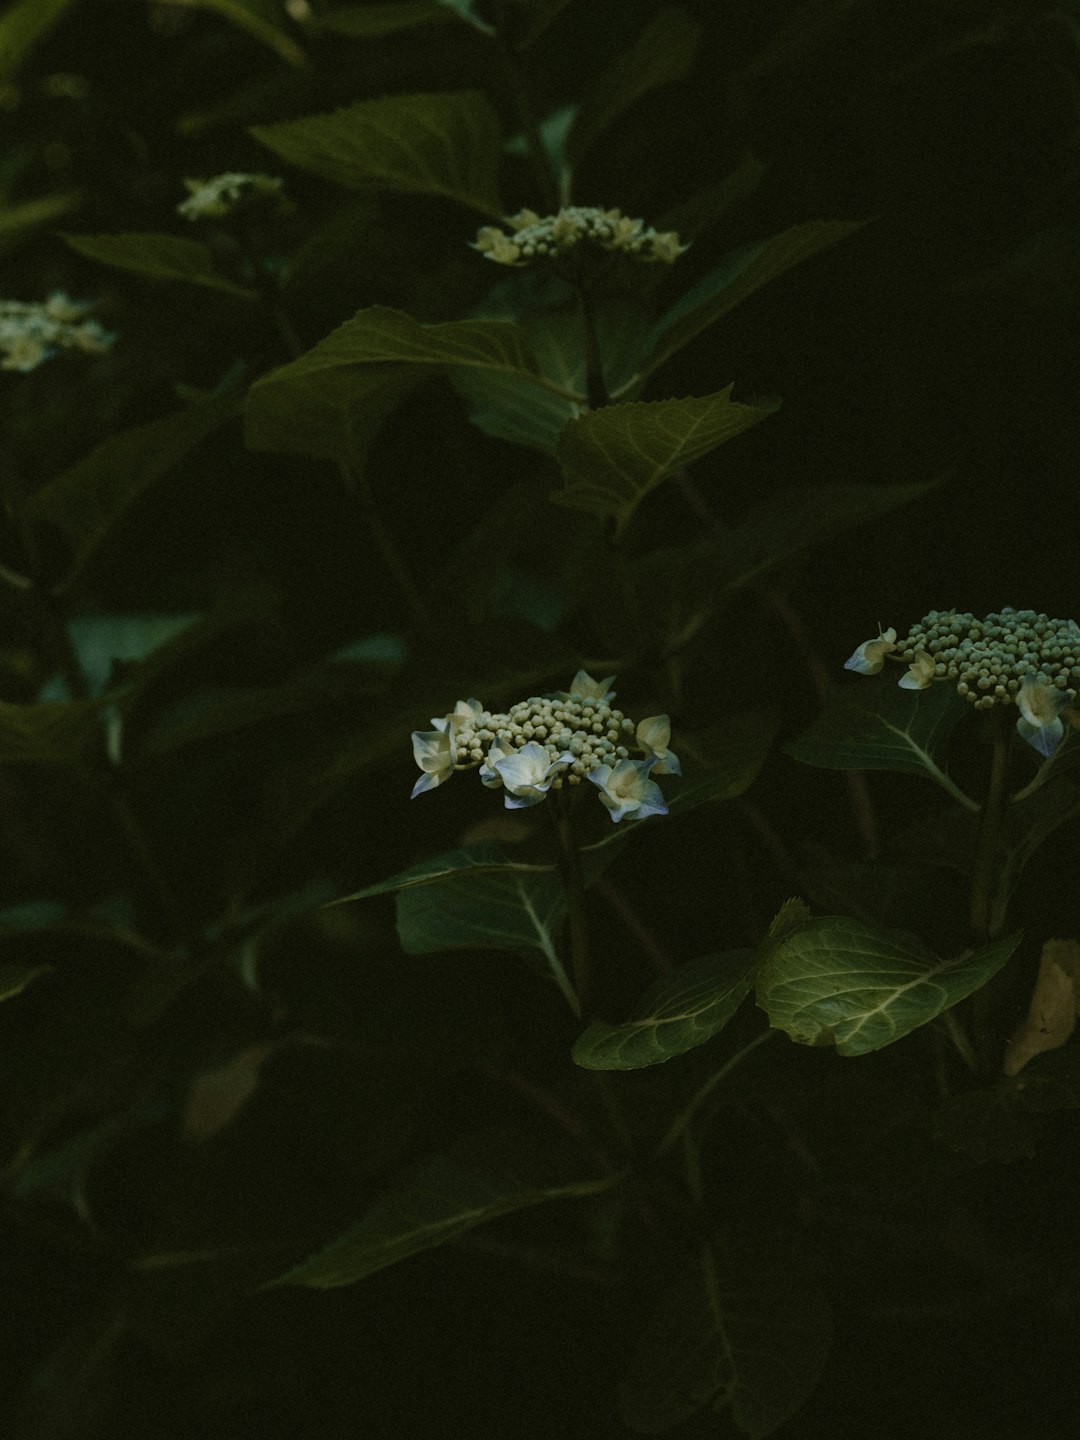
(680, 1012)
(23, 26)
(662, 53)
(445, 144)
(869, 724)
(368, 22)
(490, 910)
(839, 981)
(747, 1326)
(159, 257)
(613, 457)
(85, 501)
(485, 856)
(18, 219)
(260, 19)
(439, 1199)
(737, 277)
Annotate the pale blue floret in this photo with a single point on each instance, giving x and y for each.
(527, 774)
(869, 658)
(433, 751)
(626, 789)
(1040, 715)
(652, 736)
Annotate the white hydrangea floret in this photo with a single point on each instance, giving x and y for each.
(584, 687)
(527, 774)
(32, 331)
(653, 736)
(627, 790)
(434, 752)
(221, 194)
(869, 658)
(489, 774)
(1040, 706)
(464, 711)
(920, 673)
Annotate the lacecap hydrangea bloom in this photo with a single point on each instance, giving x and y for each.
(32, 331)
(548, 741)
(1011, 657)
(221, 194)
(531, 237)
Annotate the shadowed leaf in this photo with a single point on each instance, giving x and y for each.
(24, 25)
(159, 257)
(260, 19)
(368, 22)
(487, 910)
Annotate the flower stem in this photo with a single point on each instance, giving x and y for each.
(574, 888)
(595, 387)
(987, 917)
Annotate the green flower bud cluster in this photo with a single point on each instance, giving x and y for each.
(533, 238)
(989, 659)
(590, 730)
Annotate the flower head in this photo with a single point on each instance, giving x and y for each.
(221, 194)
(626, 789)
(31, 332)
(652, 736)
(533, 237)
(1009, 657)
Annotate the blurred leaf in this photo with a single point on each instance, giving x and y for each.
(662, 54)
(488, 910)
(486, 855)
(872, 725)
(15, 978)
(158, 257)
(440, 1199)
(747, 1327)
(367, 22)
(260, 19)
(47, 734)
(681, 1011)
(23, 25)
(333, 414)
(538, 16)
(612, 458)
(85, 501)
(736, 278)
(101, 640)
(837, 981)
(709, 205)
(16, 221)
(444, 144)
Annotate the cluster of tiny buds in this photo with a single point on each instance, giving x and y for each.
(591, 731)
(31, 331)
(221, 194)
(533, 238)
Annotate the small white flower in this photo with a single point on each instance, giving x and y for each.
(527, 774)
(626, 789)
(919, 673)
(210, 199)
(469, 710)
(869, 658)
(652, 736)
(433, 751)
(584, 687)
(489, 775)
(1040, 714)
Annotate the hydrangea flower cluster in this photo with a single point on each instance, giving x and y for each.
(549, 741)
(220, 195)
(533, 238)
(31, 332)
(1009, 657)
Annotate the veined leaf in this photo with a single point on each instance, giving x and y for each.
(159, 257)
(612, 458)
(440, 1199)
(368, 22)
(24, 25)
(747, 1327)
(662, 54)
(85, 501)
(680, 1012)
(445, 144)
(837, 981)
(491, 910)
(483, 857)
(872, 725)
(737, 277)
(260, 18)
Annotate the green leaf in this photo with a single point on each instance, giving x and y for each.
(158, 257)
(680, 1012)
(260, 19)
(23, 26)
(368, 22)
(747, 1327)
(16, 221)
(869, 724)
(444, 144)
(737, 277)
(334, 414)
(15, 978)
(662, 54)
(486, 855)
(439, 1200)
(85, 501)
(489, 910)
(612, 458)
(47, 734)
(837, 981)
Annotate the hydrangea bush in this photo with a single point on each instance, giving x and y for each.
(694, 1058)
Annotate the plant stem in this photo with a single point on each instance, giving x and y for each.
(595, 387)
(682, 1121)
(986, 919)
(574, 888)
